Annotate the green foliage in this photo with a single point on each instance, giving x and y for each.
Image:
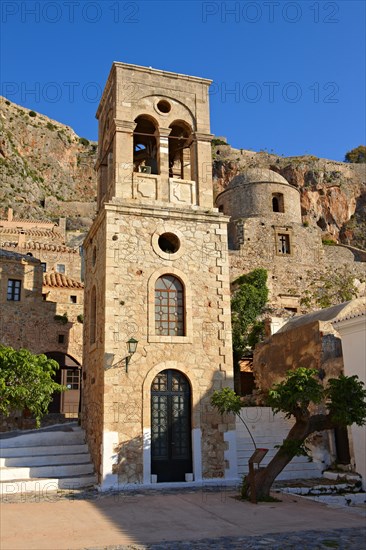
(32, 113)
(80, 318)
(329, 242)
(294, 394)
(26, 382)
(84, 141)
(245, 488)
(346, 400)
(217, 141)
(247, 304)
(226, 401)
(330, 288)
(61, 319)
(343, 400)
(293, 447)
(51, 126)
(345, 396)
(245, 493)
(356, 155)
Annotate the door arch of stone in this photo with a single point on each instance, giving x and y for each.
(171, 444)
(69, 374)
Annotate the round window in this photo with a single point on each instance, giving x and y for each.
(164, 106)
(169, 243)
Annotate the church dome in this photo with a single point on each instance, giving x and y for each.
(261, 193)
(257, 175)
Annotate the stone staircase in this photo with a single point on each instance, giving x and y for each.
(335, 489)
(45, 460)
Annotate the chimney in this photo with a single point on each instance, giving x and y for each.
(10, 214)
(62, 227)
(21, 240)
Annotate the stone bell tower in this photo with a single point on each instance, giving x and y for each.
(156, 272)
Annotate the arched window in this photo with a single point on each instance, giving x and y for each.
(277, 202)
(169, 306)
(93, 316)
(180, 140)
(145, 152)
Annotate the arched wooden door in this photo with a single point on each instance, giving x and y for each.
(171, 448)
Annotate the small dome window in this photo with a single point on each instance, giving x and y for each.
(278, 202)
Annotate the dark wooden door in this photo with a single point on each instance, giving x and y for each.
(171, 454)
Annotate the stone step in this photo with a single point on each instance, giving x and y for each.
(343, 476)
(45, 459)
(347, 499)
(73, 436)
(45, 486)
(42, 450)
(51, 471)
(326, 489)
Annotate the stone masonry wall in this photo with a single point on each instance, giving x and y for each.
(289, 275)
(30, 323)
(255, 200)
(93, 354)
(133, 262)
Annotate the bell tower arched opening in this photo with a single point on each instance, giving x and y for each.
(180, 143)
(145, 157)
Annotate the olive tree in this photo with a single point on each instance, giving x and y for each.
(315, 408)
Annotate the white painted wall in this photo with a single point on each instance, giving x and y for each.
(109, 480)
(353, 335)
(269, 430)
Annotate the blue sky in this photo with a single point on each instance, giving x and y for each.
(288, 76)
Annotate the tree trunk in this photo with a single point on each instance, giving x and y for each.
(264, 478)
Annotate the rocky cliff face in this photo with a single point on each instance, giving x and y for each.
(333, 194)
(47, 171)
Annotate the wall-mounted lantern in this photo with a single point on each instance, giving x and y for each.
(131, 346)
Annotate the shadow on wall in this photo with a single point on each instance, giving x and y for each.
(183, 428)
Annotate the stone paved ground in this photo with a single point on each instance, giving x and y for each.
(342, 539)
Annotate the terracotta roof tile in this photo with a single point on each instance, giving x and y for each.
(59, 280)
(34, 245)
(49, 233)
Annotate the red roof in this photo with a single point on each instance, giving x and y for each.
(59, 280)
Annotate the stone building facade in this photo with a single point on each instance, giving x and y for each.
(43, 313)
(313, 341)
(266, 230)
(156, 271)
(43, 240)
